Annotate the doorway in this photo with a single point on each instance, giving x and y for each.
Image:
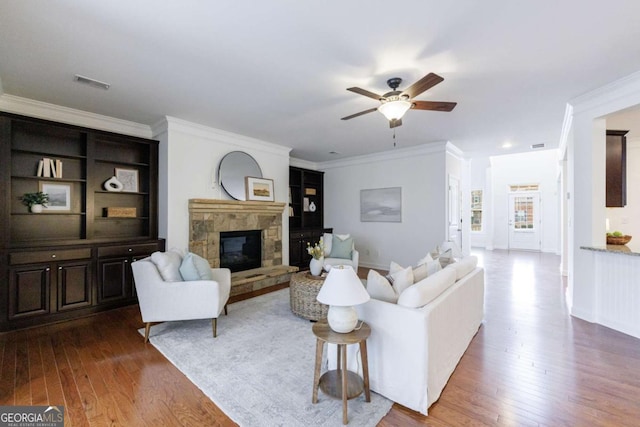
(524, 220)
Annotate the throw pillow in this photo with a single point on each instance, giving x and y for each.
(168, 265)
(425, 260)
(420, 272)
(433, 267)
(341, 248)
(195, 267)
(402, 280)
(446, 258)
(379, 287)
(327, 239)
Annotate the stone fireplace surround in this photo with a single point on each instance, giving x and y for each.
(209, 217)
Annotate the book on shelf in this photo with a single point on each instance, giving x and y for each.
(49, 168)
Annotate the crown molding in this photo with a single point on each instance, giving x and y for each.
(58, 113)
(172, 124)
(305, 164)
(383, 156)
(609, 98)
(454, 151)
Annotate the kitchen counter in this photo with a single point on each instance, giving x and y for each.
(628, 249)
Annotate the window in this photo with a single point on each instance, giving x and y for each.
(476, 210)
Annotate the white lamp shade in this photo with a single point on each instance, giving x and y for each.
(394, 110)
(342, 287)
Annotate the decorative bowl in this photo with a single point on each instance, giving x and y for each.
(621, 240)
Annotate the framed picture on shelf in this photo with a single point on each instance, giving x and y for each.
(260, 189)
(128, 178)
(59, 196)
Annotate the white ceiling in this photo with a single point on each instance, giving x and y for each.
(277, 70)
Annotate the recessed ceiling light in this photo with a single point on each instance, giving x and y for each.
(91, 82)
(536, 146)
(334, 152)
(507, 145)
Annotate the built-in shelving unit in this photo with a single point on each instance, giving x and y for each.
(306, 213)
(72, 259)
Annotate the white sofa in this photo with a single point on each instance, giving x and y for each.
(413, 351)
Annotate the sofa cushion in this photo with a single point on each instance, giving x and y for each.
(341, 248)
(425, 291)
(168, 265)
(379, 287)
(195, 267)
(464, 266)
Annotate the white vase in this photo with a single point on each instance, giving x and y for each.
(36, 208)
(315, 266)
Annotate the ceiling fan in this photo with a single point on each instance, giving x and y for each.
(395, 103)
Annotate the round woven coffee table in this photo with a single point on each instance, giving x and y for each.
(303, 290)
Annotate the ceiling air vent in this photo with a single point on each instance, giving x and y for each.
(536, 146)
(91, 82)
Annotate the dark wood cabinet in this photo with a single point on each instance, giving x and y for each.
(306, 213)
(115, 278)
(49, 282)
(616, 168)
(298, 240)
(74, 258)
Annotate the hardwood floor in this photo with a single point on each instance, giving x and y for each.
(530, 364)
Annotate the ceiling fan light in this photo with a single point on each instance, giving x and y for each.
(394, 110)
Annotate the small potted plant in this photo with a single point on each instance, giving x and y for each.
(35, 201)
(317, 253)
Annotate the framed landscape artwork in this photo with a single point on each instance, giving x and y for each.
(381, 205)
(59, 196)
(260, 189)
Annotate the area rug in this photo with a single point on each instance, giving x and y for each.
(259, 370)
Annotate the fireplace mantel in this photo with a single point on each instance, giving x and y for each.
(234, 206)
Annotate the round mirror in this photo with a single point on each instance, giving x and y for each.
(233, 167)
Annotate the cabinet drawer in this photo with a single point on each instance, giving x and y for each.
(124, 250)
(48, 256)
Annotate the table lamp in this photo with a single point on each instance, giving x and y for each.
(342, 289)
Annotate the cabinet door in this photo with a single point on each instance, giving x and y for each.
(74, 285)
(29, 291)
(112, 279)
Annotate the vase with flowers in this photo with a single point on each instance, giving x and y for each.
(317, 257)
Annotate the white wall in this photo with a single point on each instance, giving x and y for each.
(585, 150)
(420, 172)
(189, 158)
(536, 167)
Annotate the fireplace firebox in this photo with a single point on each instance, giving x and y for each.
(241, 250)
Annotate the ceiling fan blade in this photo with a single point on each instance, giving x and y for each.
(365, 93)
(370, 110)
(427, 82)
(394, 123)
(434, 105)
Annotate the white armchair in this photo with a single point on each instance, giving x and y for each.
(162, 300)
(352, 260)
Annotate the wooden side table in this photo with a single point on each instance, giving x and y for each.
(341, 383)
